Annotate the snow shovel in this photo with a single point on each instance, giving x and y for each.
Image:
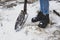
(21, 18)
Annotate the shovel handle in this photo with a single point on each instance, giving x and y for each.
(25, 6)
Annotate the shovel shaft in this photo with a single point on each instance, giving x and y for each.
(25, 6)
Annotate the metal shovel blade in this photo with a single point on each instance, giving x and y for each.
(21, 20)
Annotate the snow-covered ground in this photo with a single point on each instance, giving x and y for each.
(30, 31)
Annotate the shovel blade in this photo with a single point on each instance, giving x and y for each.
(21, 20)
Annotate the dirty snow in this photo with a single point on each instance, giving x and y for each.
(30, 31)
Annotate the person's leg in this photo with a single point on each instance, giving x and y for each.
(43, 15)
(44, 4)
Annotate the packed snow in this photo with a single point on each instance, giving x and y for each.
(30, 31)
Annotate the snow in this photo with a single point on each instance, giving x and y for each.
(30, 31)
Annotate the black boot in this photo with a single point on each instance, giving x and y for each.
(38, 17)
(43, 23)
